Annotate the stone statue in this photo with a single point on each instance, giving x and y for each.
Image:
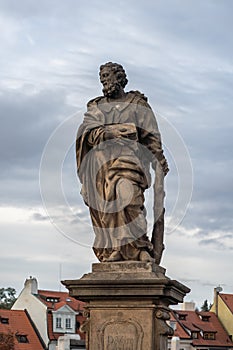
(116, 143)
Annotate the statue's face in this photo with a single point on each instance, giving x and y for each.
(110, 83)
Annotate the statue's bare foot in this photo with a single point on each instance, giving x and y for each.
(115, 256)
(145, 256)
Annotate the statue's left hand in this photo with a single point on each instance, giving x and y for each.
(164, 166)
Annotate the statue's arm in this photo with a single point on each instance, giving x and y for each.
(98, 131)
(94, 122)
(118, 132)
(157, 154)
(151, 138)
(96, 136)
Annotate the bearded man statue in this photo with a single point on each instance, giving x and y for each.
(116, 143)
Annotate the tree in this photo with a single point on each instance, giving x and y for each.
(7, 297)
(205, 306)
(6, 341)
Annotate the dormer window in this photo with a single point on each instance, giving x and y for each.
(22, 338)
(205, 318)
(194, 335)
(52, 300)
(182, 317)
(64, 320)
(209, 335)
(4, 320)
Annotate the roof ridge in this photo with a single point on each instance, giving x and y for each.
(226, 294)
(53, 291)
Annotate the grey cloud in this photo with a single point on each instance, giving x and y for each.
(197, 281)
(39, 217)
(187, 280)
(27, 8)
(221, 241)
(214, 242)
(177, 53)
(204, 24)
(28, 121)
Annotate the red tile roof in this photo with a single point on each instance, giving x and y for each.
(194, 323)
(19, 323)
(179, 331)
(228, 300)
(63, 299)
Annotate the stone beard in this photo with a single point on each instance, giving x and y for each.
(111, 89)
(116, 143)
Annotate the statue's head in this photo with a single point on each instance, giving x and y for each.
(113, 78)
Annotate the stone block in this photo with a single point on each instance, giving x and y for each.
(127, 305)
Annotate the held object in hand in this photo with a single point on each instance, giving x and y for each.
(123, 131)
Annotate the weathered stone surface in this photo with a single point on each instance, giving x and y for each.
(116, 143)
(128, 266)
(127, 305)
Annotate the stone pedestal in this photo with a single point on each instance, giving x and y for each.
(127, 305)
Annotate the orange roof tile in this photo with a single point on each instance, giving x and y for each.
(194, 323)
(228, 300)
(19, 323)
(179, 331)
(63, 299)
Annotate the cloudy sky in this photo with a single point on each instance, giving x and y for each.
(179, 54)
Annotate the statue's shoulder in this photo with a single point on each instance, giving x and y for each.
(95, 100)
(139, 97)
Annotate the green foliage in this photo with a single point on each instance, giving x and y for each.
(205, 306)
(6, 341)
(7, 298)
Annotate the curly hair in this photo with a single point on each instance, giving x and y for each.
(118, 70)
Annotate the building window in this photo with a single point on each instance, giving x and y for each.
(194, 335)
(182, 317)
(4, 320)
(205, 318)
(68, 323)
(52, 300)
(58, 322)
(209, 336)
(22, 338)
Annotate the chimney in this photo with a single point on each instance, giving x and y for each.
(175, 343)
(63, 342)
(217, 290)
(32, 285)
(188, 306)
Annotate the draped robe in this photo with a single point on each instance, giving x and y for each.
(115, 173)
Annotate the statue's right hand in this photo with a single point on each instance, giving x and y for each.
(123, 131)
(111, 133)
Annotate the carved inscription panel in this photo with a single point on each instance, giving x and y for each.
(120, 335)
